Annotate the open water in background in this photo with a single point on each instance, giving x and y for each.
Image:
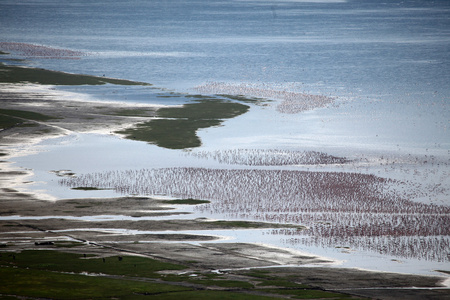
(390, 59)
(388, 63)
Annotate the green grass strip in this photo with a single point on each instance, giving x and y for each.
(187, 201)
(204, 109)
(16, 74)
(52, 285)
(210, 295)
(69, 262)
(87, 188)
(7, 121)
(29, 115)
(11, 117)
(52, 274)
(180, 124)
(308, 294)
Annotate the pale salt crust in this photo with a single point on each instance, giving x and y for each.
(278, 258)
(30, 145)
(32, 92)
(17, 181)
(21, 183)
(50, 92)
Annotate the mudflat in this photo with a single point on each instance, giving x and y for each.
(79, 225)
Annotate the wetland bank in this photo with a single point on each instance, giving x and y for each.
(209, 224)
(238, 149)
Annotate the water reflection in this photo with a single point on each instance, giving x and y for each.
(356, 210)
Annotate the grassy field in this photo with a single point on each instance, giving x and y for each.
(16, 74)
(178, 127)
(53, 274)
(11, 117)
(186, 201)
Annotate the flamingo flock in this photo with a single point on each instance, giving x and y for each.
(292, 102)
(430, 248)
(31, 50)
(339, 208)
(268, 157)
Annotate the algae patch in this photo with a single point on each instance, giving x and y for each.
(176, 127)
(17, 74)
(11, 117)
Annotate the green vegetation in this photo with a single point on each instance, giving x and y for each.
(29, 125)
(210, 280)
(206, 109)
(7, 121)
(171, 134)
(189, 201)
(308, 294)
(87, 188)
(169, 95)
(240, 224)
(49, 260)
(207, 295)
(29, 115)
(134, 112)
(281, 283)
(11, 117)
(245, 98)
(271, 283)
(250, 224)
(51, 285)
(67, 244)
(178, 128)
(175, 128)
(58, 275)
(16, 74)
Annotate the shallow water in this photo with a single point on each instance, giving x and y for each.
(386, 62)
(387, 65)
(337, 256)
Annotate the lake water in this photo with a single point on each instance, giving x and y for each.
(387, 64)
(388, 61)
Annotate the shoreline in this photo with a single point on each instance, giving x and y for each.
(14, 202)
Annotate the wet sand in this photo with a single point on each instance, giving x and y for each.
(98, 237)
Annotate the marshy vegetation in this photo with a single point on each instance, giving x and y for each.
(12, 117)
(189, 201)
(340, 208)
(46, 273)
(176, 127)
(17, 74)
